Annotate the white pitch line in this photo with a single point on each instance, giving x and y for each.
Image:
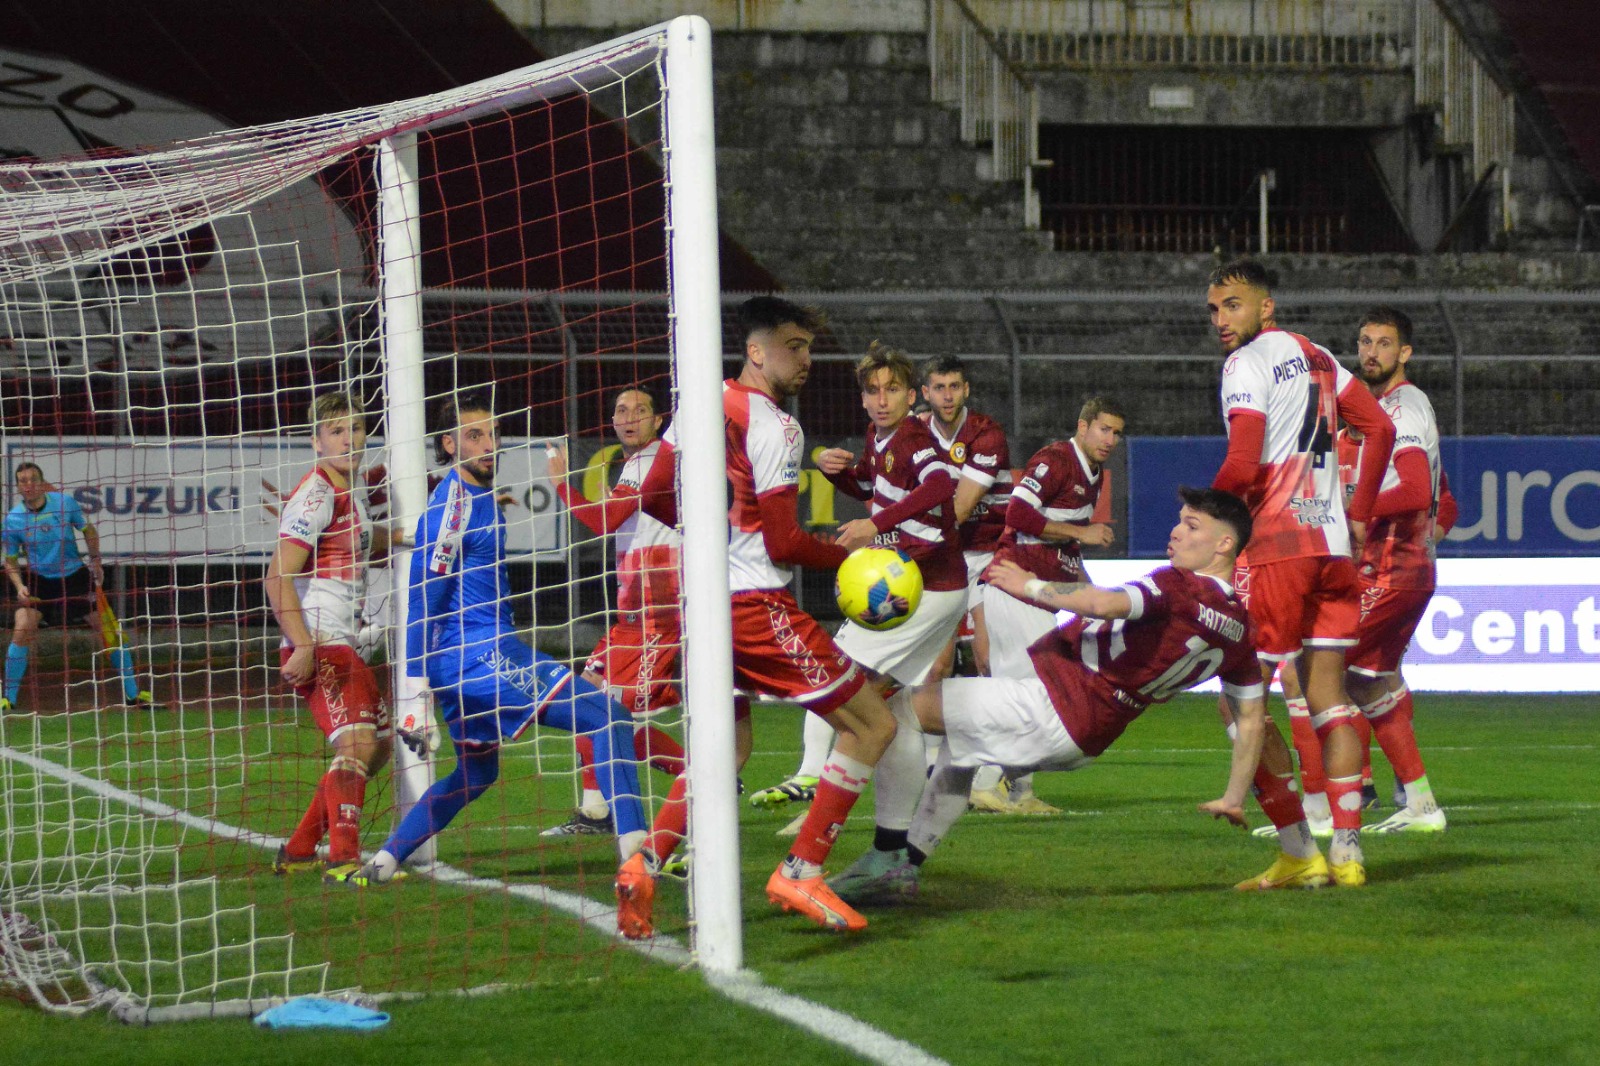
(745, 987)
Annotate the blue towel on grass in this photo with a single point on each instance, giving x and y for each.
(313, 1012)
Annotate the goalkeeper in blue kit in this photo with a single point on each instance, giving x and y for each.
(488, 685)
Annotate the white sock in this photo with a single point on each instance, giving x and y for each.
(594, 803)
(1316, 807)
(1419, 796)
(384, 865)
(986, 777)
(628, 843)
(818, 739)
(1346, 846)
(901, 773)
(943, 801)
(1019, 787)
(1296, 840)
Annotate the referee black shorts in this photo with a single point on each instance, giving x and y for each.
(61, 600)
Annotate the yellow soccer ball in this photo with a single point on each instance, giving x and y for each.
(878, 588)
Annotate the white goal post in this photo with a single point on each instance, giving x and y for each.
(165, 314)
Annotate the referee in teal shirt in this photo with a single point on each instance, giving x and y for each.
(57, 588)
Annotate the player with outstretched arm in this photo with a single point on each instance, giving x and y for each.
(1124, 650)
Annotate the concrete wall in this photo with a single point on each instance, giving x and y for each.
(894, 16)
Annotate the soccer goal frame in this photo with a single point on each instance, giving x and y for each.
(141, 206)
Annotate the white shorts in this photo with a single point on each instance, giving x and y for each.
(998, 721)
(977, 563)
(1013, 626)
(907, 652)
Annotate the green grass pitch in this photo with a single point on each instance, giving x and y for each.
(1108, 935)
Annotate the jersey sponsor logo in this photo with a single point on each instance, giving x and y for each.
(1410, 439)
(1311, 511)
(1041, 470)
(926, 453)
(1234, 399)
(958, 453)
(1291, 367)
(1229, 366)
(1029, 483)
(1214, 620)
(985, 459)
(300, 528)
(1077, 490)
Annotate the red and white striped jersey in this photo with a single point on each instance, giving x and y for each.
(1184, 629)
(765, 448)
(331, 524)
(1399, 552)
(888, 471)
(647, 547)
(1058, 485)
(1295, 501)
(979, 451)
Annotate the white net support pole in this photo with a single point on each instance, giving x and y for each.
(405, 430)
(697, 353)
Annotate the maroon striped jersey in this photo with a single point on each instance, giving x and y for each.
(1056, 486)
(1185, 628)
(887, 472)
(979, 451)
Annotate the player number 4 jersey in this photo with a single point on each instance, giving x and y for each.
(1296, 500)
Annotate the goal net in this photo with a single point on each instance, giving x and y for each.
(166, 318)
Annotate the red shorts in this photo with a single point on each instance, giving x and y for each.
(1296, 602)
(343, 693)
(637, 658)
(779, 650)
(1388, 619)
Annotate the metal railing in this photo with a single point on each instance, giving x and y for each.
(982, 50)
(998, 105)
(1473, 112)
(1254, 33)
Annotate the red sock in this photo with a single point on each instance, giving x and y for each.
(1364, 737)
(659, 750)
(586, 760)
(840, 786)
(672, 821)
(1278, 801)
(313, 823)
(1398, 738)
(346, 790)
(1313, 778)
(1344, 800)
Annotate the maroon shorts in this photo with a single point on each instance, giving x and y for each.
(1388, 619)
(637, 658)
(779, 650)
(342, 693)
(1296, 602)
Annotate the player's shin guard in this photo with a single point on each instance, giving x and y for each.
(1275, 793)
(610, 730)
(943, 801)
(313, 823)
(16, 666)
(1308, 746)
(1390, 715)
(345, 791)
(476, 769)
(672, 821)
(122, 659)
(838, 788)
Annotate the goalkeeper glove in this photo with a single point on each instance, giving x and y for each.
(416, 728)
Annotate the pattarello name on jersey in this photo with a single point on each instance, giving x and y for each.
(765, 447)
(331, 524)
(1185, 628)
(1399, 552)
(889, 471)
(1295, 502)
(1059, 486)
(979, 451)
